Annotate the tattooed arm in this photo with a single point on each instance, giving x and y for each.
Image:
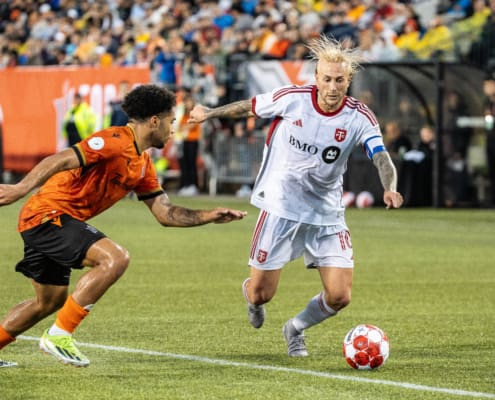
(388, 177)
(238, 109)
(168, 214)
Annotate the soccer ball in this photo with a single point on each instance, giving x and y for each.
(366, 347)
(348, 198)
(365, 200)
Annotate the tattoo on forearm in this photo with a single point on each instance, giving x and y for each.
(179, 216)
(386, 171)
(237, 109)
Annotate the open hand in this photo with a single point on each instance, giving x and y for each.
(224, 215)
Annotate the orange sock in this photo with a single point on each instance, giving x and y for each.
(5, 338)
(70, 315)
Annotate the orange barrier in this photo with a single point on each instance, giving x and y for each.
(33, 102)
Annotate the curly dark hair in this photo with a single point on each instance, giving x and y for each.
(145, 101)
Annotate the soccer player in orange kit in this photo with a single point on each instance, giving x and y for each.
(79, 183)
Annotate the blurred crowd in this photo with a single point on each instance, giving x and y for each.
(203, 36)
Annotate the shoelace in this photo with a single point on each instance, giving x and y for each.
(297, 343)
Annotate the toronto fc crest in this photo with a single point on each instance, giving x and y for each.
(340, 134)
(262, 254)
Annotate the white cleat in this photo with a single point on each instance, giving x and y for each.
(295, 340)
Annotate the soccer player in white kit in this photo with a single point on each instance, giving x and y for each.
(300, 184)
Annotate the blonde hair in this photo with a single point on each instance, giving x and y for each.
(331, 50)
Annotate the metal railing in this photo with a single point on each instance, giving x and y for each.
(235, 160)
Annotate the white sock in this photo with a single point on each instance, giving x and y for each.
(56, 331)
(315, 312)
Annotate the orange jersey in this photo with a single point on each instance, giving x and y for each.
(111, 167)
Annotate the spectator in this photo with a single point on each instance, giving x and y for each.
(280, 42)
(409, 117)
(340, 28)
(457, 141)
(482, 51)
(457, 10)
(395, 141)
(164, 63)
(189, 136)
(408, 40)
(79, 122)
(416, 179)
(45, 27)
(468, 30)
(117, 116)
(205, 90)
(437, 42)
(458, 138)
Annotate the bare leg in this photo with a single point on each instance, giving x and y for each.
(337, 286)
(262, 286)
(49, 298)
(108, 261)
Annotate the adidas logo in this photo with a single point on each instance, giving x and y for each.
(298, 123)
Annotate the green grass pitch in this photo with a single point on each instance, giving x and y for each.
(175, 326)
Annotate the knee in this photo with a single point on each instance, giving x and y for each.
(121, 262)
(261, 295)
(116, 264)
(338, 301)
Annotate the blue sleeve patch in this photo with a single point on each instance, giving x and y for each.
(373, 145)
(371, 152)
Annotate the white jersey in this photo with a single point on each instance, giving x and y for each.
(306, 152)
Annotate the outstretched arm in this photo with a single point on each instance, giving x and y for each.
(388, 178)
(238, 109)
(168, 214)
(49, 166)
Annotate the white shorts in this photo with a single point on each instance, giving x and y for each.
(276, 241)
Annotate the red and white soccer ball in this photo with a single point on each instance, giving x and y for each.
(348, 199)
(366, 347)
(365, 200)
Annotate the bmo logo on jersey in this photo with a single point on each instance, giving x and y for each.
(307, 148)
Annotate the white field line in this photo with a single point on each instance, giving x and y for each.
(298, 371)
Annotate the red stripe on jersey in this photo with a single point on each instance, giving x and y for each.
(342, 240)
(253, 106)
(293, 89)
(271, 131)
(366, 111)
(257, 231)
(362, 108)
